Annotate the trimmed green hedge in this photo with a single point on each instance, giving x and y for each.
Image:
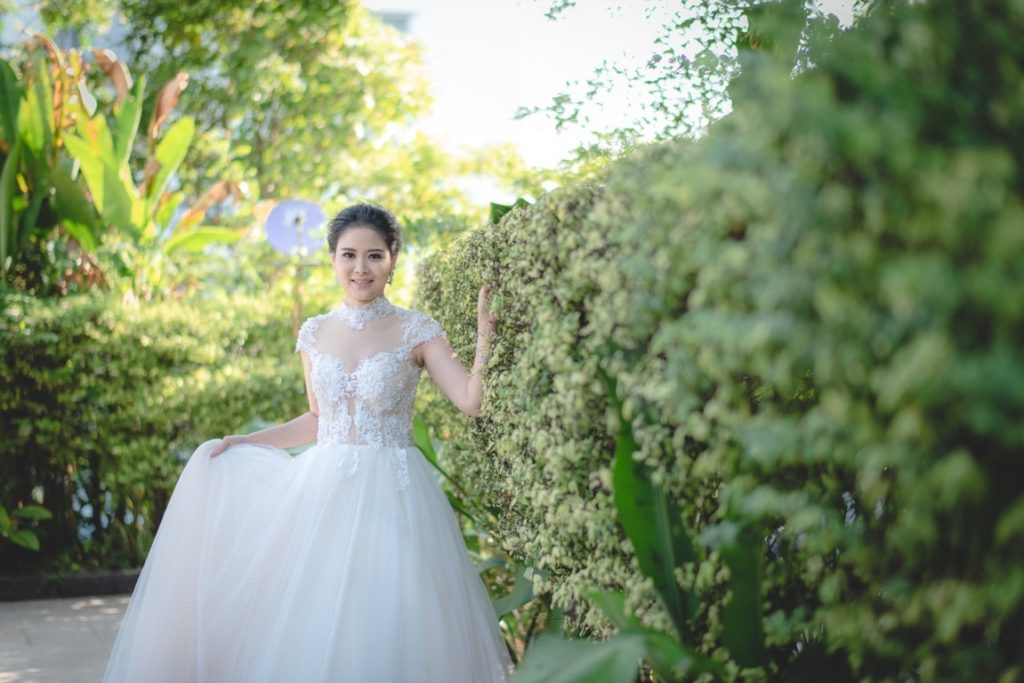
(815, 316)
(102, 402)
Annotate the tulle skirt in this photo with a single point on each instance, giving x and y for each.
(344, 563)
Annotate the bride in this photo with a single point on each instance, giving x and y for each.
(343, 563)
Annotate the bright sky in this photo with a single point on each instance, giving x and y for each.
(488, 57)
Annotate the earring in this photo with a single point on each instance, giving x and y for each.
(391, 276)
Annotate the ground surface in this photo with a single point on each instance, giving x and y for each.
(58, 641)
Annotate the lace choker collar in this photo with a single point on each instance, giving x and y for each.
(356, 317)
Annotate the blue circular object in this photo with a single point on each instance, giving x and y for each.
(293, 227)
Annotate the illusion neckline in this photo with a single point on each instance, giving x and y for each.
(357, 317)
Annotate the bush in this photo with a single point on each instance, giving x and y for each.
(814, 315)
(103, 401)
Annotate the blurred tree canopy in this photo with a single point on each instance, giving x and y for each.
(282, 94)
(680, 88)
(315, 99)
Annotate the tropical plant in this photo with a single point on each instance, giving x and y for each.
(38, 188)
(53, 112)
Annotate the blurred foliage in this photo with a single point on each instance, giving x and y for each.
(67, 167)
(679, 88)
(39, 193)
(102, 401)
(264, 111)
(813, 316)
(13, 524)
(283, 95)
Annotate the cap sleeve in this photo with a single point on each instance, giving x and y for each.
(306, 341)
(423, 328)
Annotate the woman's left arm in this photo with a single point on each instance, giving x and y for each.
(464, 389)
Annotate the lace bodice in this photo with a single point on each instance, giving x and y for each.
(363, 376)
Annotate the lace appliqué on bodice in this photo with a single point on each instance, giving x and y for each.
(369, 399)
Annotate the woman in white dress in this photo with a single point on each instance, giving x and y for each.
(344, 563)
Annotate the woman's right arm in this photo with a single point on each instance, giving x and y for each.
(296, 432)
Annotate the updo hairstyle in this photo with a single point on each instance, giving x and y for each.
(366, 215)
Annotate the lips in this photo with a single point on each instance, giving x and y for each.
(362, 282)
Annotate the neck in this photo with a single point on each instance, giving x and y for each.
(351, 303)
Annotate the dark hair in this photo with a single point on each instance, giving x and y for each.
(366, 215)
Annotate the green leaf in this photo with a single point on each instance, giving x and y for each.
(652, 522)
(498, 211)
(200, 238)
(614, 607)
(554, 659)
(169, 153)
(672, 661)
(35, 117)
(421, 437)
(490, 563)
(126, 122)
(110, 193)
(10, 101)
(167, 207)
(521, 593)
(459, 506)
(25, 538)
(5, 521)
(77, 214)
(32, 512)
(8, 187)
(669, 657)
(743, 628)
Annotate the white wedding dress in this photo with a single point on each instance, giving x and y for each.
(343, 563)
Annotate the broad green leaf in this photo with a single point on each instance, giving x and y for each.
(96, 134)
(614, 607)
(8, 188)
(76, 213)
(126, 122)
(32, 512)
(421, 437)
(25, 538)
(556, 622)
(652, 522)
(169, 203)
(672, 660)
(743, 631)
(200, 238)
(490, 563)
(554, 659)
(5, 520)
(169, 153)
(109, 192)
(521, 593)
(498, 211)
(35, 117)
(10, 101)
(459, 506)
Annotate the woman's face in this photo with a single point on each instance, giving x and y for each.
(362, 263)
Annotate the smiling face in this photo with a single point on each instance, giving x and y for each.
(362, 263)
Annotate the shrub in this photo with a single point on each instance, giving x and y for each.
(814, 317)
(102, 402)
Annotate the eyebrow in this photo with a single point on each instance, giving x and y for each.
(353, 249)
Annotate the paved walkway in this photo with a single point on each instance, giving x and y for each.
(58, 641)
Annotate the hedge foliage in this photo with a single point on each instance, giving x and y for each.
(815, 315)
(102, 402)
